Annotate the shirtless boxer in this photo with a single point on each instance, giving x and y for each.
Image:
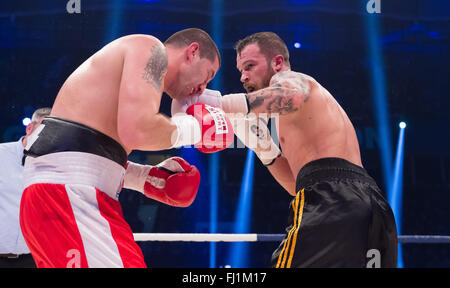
(338, 213)
(76, 160)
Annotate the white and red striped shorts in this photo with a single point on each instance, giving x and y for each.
(70, 215)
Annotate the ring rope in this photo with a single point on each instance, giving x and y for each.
(228, 237)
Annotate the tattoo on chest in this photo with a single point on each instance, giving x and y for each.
(156, 67)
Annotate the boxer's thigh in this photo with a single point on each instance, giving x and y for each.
(107, 239)
(383, 230)
(129, 251)
(49, 227)
(331, 228)
(78, 226)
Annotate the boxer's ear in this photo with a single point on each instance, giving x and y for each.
(277, 63)
(192, 52)
(29, 129)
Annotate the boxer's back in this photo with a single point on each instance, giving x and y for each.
(320, 129)
(90, 95)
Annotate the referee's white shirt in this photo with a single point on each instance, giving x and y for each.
(11, 188)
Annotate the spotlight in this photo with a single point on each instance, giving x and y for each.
(297, 45)
(434, 35)
(402, 125)
(26, 121)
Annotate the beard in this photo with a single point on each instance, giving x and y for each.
(268, 77)
(265, 81)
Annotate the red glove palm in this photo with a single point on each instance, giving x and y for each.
(174, 181)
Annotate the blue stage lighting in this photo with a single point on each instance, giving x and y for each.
(402, 125)
(297, 45)
(114, 21)
(396, 197)
(214, 164)
(238, 254)
(214, 161)
(378, 89)
(26, 121)
(434, 35)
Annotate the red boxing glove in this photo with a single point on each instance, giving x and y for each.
(217, 132)
(174, 181)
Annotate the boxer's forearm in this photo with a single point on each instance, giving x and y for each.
(281, 171)
(276, 99)
(286, 94)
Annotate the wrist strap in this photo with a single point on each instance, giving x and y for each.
(135, 176)
(235, 103)
(268, 157)
(273, 160)
(188, 131)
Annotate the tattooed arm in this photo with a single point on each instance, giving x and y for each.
(139, 123)
(286, 94)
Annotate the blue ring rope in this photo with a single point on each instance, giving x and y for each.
(254, 237)
(401, 239)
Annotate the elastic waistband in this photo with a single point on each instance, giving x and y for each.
(75, 168)
(330, 168)
(60, 135)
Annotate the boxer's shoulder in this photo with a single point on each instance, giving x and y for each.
(291, 75)
(136, 39)
(293, 80)
(134, 45)
(140, 42)
(147, 43)
(143, 49)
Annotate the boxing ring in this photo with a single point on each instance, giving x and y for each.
(254, 237)
(205, 238)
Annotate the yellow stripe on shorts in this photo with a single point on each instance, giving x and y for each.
(298, 213)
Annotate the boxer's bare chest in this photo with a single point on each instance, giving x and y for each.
(317, 130)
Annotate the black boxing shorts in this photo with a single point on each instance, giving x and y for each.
(337, 219)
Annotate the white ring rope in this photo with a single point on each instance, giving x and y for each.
(228, 237)
(195, 237)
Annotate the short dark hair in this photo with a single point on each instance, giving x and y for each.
(208, 49)
(269, 43)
